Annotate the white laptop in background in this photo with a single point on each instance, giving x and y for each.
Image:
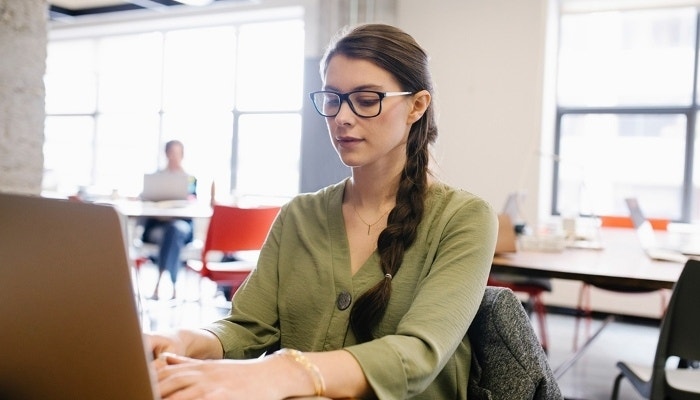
(512, 206)
(69, 325)
(677, 252)
(163, 186)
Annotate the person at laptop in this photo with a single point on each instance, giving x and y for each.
(170, 234)
(369, 285)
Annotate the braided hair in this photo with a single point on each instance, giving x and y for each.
(398, 53)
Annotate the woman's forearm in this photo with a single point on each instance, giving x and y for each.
(201, 344)
(342, 375)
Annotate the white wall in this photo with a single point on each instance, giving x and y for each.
(488, 63)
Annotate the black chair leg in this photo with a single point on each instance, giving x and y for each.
(616, 387)
(529, 306)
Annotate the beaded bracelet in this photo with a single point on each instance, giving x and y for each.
(299, 357)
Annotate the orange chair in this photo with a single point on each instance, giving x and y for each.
(233, 230)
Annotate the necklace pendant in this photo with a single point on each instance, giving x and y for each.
(368, 229)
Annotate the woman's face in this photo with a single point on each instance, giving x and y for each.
(376, 141)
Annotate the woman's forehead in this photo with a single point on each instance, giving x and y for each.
(352, 73)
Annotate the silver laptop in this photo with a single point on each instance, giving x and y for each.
(69, 326)
(162, 186)
(512, 206)
(655, 249)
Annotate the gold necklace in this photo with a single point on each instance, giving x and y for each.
(369, 226)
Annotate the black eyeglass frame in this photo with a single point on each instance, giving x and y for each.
(345, 97)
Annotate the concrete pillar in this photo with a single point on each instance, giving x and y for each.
(23, 38)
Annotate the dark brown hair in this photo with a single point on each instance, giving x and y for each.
(398, 53)
(169, 145)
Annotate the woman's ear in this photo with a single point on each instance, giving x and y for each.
(421, 101)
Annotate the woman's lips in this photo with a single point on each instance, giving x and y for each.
(347, 139)
(348, 143)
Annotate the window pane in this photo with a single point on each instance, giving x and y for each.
(130, 73)
(68, 151)
(199, 76)
(70, 77)
(268, 154)
(605, 158)
(271, 66)
(127, 147)
(207, 137)
(627, 58)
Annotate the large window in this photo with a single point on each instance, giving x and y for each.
(232, 94)
(627, 111)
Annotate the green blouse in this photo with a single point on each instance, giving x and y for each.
(294, 298)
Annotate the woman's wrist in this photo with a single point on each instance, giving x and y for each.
(309, 369)
(198, 343)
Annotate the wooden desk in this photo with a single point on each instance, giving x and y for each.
(621, 262)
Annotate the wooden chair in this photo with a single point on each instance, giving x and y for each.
(233, 230)
(678, 337)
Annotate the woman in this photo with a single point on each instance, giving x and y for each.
(369, 285)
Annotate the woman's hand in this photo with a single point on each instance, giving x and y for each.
(195, 343)
(165, 343)
(183, 378)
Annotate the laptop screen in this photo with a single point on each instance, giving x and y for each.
(69, 325)
(645, 232)
(162, 186)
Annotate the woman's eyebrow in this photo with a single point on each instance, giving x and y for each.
(356, 88)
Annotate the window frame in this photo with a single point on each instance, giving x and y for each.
(690, 112)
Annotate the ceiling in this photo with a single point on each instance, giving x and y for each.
(75, 8)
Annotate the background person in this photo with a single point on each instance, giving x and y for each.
(368, 285)
(170, 234)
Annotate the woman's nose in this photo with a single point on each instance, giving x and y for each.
(345, 114)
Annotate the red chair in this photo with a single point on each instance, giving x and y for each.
(534, 288)
(233, 230)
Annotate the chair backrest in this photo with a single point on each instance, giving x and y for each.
(680, 328)
(233, 229)
(508, 361)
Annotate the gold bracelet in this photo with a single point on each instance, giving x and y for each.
(299, 357)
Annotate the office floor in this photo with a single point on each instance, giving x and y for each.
(590, 377)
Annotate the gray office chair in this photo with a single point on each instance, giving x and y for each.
(679, 337)
(508, 361)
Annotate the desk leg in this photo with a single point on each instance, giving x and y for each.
(561, 369)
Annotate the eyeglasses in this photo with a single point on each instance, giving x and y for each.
(364, 103)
